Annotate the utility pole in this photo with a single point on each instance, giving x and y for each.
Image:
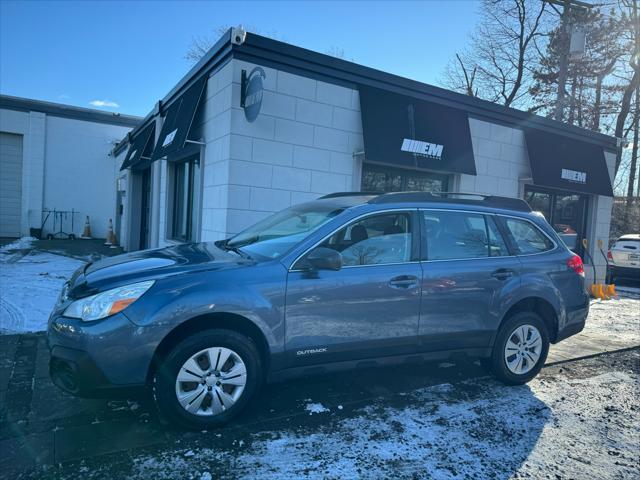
(565, 40)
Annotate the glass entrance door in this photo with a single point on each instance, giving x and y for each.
(566, 212)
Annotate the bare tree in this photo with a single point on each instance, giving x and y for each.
(634, 65)
(497, 66)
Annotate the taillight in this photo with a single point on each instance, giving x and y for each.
(575, 264)
(609, 256)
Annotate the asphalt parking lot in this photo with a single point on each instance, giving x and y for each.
(51, 435)
(435, 420)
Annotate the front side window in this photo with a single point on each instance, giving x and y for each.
(374, 240)
(527, 237)
(182, 201)
(276, 234)
(462, 235)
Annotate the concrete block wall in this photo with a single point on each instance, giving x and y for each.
(215, 131)
(300, 147)
(501, 160)
(598, 225)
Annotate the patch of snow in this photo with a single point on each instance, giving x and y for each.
(315, 408)
(29, 288)
(476, 429)
(446, 365)
(205, 476)
(20, 244)
(619, 319)
(189, 454)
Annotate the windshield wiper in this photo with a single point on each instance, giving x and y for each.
(225, 246)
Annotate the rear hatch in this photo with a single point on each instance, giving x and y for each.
(626, 252)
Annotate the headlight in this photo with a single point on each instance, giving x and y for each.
(107, 303)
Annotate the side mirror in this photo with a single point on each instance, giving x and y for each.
(323, 258)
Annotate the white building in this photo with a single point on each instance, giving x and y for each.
(258, 125)
(57, 157)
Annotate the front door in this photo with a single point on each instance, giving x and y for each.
(370, 307)
(566, 212)
(468, 273)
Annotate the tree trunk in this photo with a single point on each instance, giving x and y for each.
(634, 151)
(597, 103)
(572, 101)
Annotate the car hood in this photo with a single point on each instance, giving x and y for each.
(151, 265)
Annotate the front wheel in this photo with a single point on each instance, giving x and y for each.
(521, 348)
(205, 380)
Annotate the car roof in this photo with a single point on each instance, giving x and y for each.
(630, 236)
(350, 199)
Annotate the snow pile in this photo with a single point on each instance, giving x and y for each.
(20, 244)
(29, 288)
(315, 408)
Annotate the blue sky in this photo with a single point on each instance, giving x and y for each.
(132, 53)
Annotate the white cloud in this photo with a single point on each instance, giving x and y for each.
(103, 103)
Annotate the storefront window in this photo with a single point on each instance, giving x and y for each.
(182, 201)
(566, 212)
(376, 178)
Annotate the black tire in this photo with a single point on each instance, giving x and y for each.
(164, 381)
(497, 362)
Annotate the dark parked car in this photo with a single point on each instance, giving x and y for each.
(343, 281)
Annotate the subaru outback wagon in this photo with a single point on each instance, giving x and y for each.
(348, 280)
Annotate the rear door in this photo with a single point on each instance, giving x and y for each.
(468, 275)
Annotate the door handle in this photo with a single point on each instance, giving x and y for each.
(404, 281)
(502, 273)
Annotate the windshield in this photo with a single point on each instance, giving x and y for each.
(276, 234)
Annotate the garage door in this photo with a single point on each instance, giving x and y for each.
(10, 184)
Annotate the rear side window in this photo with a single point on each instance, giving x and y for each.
(462, 235)
(527, 237)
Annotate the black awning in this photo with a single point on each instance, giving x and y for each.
(177, 121)
(558, 161)
(140, 148)
(409, 132)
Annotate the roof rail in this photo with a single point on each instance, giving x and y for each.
(454, 197)
(350, 194)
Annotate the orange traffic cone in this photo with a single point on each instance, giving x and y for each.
(111, 237)
(86, 233)
(611, 291)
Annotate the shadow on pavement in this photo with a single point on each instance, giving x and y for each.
(43, 426)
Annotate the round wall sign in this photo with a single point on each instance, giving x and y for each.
(253, 94)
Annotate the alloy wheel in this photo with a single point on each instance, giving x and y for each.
(523, 349)
(211, 381)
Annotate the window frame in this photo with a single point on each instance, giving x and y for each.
(416, 235)
(190, 198)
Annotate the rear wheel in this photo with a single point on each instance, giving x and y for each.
(521, 348)
(207, 379)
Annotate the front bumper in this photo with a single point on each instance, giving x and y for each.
(105, 358)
